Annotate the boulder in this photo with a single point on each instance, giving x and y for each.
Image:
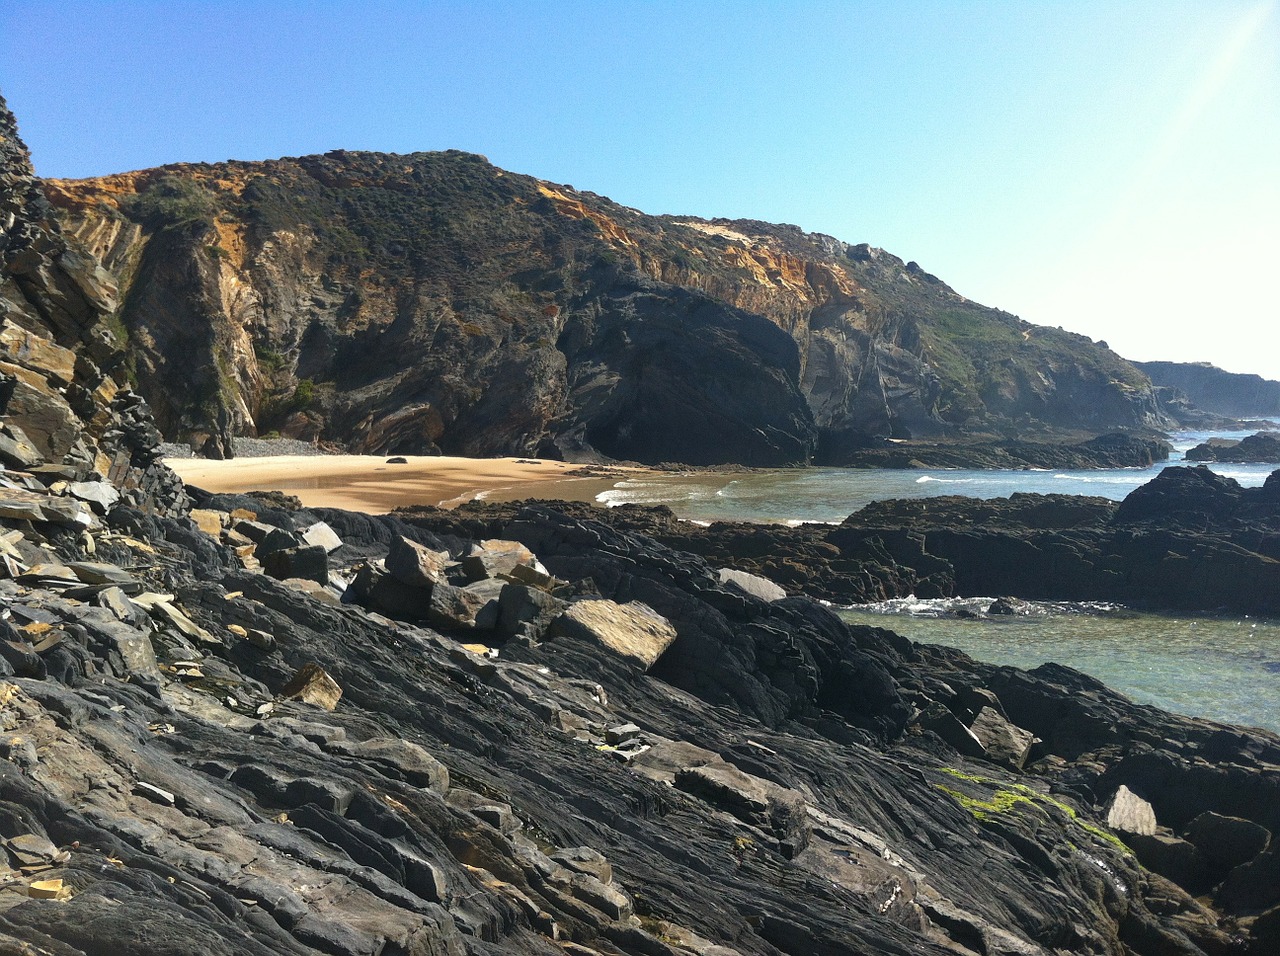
(310, 562)
(322, 535)
(495, 557)
(1128, 813)
(527, 611)
(1004, 741)
(312, 685)
(633, 630)
(1226, 842)
(753, 584)
(453, 608)
(413, 564)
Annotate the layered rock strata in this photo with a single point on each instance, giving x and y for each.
(408, 304)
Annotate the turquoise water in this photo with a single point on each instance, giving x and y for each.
(1227, 669)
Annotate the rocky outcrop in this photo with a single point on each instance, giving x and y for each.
(433, 302)
(1262, 447)
(64, 417)
(1218, 392)
(1105, 451)
(1188, 540)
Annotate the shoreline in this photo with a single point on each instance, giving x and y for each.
(371, 484)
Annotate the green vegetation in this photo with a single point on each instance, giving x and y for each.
(170, 201)
(1004, 799)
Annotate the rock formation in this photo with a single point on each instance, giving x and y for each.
(1189, 540)
(434, 302)
(1262, 447)
(1213, 390)
(247, 728)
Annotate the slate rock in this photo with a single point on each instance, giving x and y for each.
(1226, 842)
(753, 584)
(321, 534)
(414, 564)
(310, 562)
(633, 630)
(312, 685)
(1002, 740)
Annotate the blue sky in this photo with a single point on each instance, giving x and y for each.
(1113, 168)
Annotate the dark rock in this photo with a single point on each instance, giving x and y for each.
(310, 563)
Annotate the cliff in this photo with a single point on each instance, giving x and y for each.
(434, 302)
(1211, 389)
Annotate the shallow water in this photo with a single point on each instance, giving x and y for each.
(832, 494)
(1224, 669)
(1227, 669)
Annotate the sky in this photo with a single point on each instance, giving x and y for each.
(1109, 167)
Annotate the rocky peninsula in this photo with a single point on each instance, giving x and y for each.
(233, 725)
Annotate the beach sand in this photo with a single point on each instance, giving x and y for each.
(368, 483)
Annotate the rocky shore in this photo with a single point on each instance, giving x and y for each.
(1262, 447)
(1189, 540)
(232, 725)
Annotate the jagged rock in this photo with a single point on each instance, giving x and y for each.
(208, 521)
(633, 630)
(1129, 813)
(1226, 842)
(100, 495)
(309, 562)
(494, 558)
(1002, 740)
(941, 721)
(311, 685)
(526, 610)
(16, 449)
(415, 565)
(452, 607)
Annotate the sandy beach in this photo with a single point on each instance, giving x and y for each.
(370, 484)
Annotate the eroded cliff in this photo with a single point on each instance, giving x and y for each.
(432, 301)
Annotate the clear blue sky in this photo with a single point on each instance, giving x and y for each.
(1110, 167)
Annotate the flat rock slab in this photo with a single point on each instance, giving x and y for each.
(634, 629)
(753, 584)
(1129, 813)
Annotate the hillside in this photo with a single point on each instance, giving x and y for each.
(434, 302)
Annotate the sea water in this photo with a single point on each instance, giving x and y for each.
(1226, 669)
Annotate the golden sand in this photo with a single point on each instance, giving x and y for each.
(368, 483)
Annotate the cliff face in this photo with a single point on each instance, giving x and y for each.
(60, 409)
(431, 301)
(1214, 390)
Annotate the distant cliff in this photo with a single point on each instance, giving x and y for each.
(434, 302)
(1213, 390)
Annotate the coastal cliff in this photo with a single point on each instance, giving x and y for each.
(1214, 390)
(433, 302)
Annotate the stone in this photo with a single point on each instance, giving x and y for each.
(310, 562)
(621, 734)
(1226, 842)
(453, 608)
(526, 610)
(494, 557)
(16, 449)
(411, 762)
(533, 577)
(1003, 741)
(584, 859)
(277, 539)
(321, 534)
(414, 564)
(99, 495)
(97, 572)
(941, 721)
(312, 685)
(38, 353)
(1129, 813)
(633, 630)
(208, 520)
(752, 584)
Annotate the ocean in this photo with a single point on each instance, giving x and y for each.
(1223, 668)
